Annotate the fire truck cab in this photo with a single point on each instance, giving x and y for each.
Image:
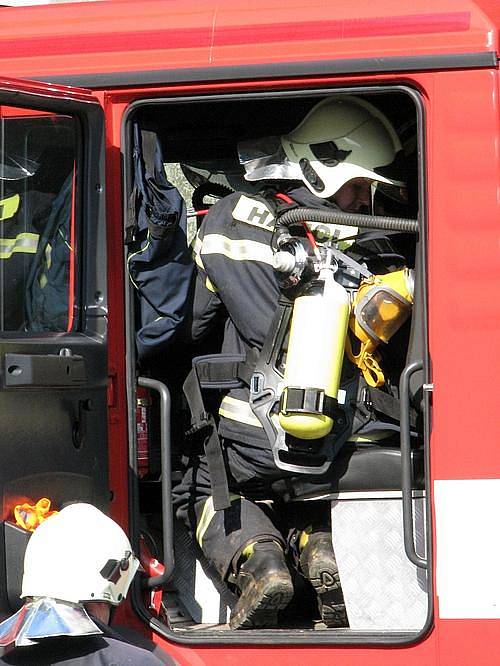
(87, 416)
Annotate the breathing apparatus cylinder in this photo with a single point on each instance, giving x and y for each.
(314, 358)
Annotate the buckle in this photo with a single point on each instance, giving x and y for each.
(302, 400)
(365, 398)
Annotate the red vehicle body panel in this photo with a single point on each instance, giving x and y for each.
(85, 42)
(120, 36)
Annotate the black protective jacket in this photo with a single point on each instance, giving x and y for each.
(108, 649)
(236, 279)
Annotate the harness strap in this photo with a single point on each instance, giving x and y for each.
(202, 420)
(307, 400)
(351, 263)
(387, 404)
(220, 371)
(223, 372)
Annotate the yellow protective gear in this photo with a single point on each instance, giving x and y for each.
(30, 516)
(381, 306)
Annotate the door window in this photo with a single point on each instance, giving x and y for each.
(38, 234)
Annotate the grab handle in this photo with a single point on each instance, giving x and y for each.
(166, 482)
(406, 464)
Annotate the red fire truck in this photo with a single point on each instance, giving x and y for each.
(84, 418)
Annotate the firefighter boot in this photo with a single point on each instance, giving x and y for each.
(263, 580)
(319, 566)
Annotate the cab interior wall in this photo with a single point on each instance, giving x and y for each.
(204, 133)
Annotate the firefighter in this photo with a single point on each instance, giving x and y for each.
(23, 211)
(330, 161)
(78, 567)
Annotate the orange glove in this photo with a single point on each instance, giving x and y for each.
(30, 516)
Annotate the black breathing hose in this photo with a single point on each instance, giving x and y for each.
(208, 189)
(304, 214)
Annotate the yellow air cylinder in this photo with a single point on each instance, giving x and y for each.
(315, 353)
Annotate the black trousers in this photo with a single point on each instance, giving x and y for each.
(223, 534)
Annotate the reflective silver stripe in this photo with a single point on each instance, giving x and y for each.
(238, 410)
(206, 517)
(238, 250)
(197, 245)
(254, 212)
(25, 242)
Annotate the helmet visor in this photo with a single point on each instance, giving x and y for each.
(397, 192)
(265, 159)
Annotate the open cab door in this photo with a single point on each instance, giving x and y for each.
(53, 314)
(375, 493)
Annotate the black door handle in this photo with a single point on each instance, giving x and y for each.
(44, 370)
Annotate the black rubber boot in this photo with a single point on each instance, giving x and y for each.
(319, 566)
(265, 587)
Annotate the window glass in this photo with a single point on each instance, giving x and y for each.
(37, 221)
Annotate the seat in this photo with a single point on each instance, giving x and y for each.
(358, 467)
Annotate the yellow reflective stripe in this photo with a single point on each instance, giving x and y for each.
(337, 232)
(210, 285)
(43, 280)
(238, 250)
(238, 410)
(134, 254)
(345, 245)
(9, 206)
(206, 517)
(48, 256)
(65, 241)
(198, 261)
(25, 242)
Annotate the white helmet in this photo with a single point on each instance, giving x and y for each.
(78, 555)
(341, 138)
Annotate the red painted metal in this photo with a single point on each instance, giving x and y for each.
(118, 36)
(45, 89)
(451, 231)
(461, 111)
